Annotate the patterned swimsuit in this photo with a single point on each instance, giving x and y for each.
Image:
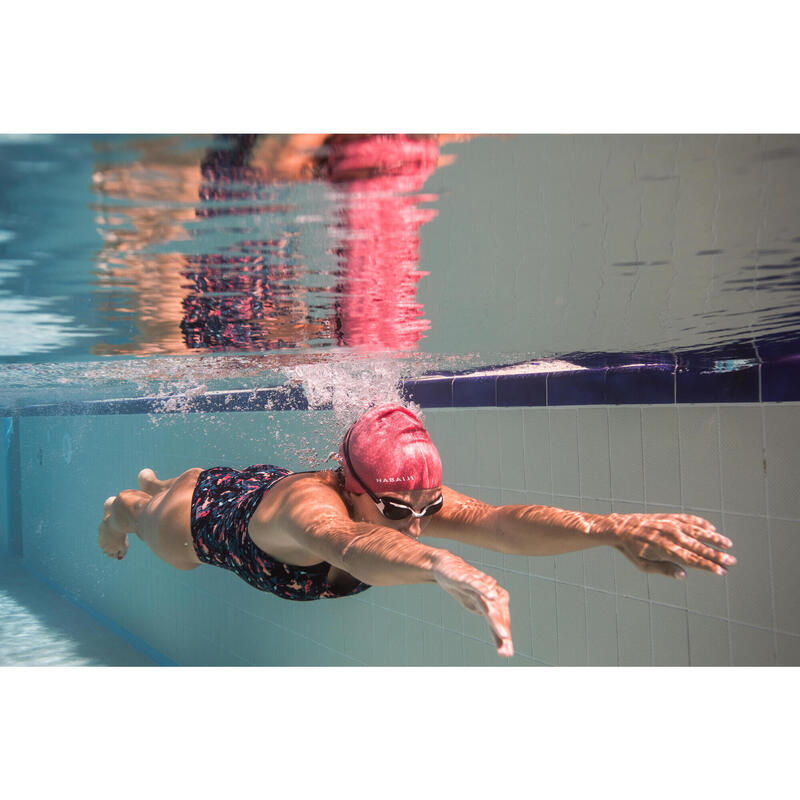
(224, 499)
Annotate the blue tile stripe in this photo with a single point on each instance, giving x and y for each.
(601, 379)
(279, 398)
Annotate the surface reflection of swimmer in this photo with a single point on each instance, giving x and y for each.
(377, 239)
(252, 295)
(330, 534)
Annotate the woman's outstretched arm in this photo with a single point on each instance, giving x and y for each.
(318, 521)
(662, 543)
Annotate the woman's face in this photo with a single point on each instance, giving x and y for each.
(365, 510)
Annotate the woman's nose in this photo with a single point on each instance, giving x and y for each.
(414, 528)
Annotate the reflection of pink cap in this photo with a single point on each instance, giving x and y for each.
(391, 451)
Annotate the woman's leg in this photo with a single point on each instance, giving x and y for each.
(148, 482)
(161, 519)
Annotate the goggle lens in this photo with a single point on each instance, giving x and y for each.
(394, 510)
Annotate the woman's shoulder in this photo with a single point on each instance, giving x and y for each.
(300, 498)
(318, 484)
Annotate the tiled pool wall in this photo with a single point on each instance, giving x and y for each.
(733, 462)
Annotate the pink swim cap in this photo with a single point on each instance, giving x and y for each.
(390, 450)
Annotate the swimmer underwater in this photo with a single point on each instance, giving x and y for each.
(333, 533)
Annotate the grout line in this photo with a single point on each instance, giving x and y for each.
(769, 534)
(722, 511)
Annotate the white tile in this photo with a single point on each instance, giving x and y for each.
(440, 427)
(543, 609)
(453, 645)
(782, 433)
(519, 590)
(564, 451)
(537, 450)
(743, 487)
(709, 641)
(415, 655)
(748, 581)
(479, 653)
(752, 647)
(630, 580)
(634, 632)
(432, 646)
(461, 468)
(571, 616)
(543, 566)
(486, 465)
(661, 455)
(627, 455)
(598, 566)
(699, 451)
(396, 630)
(670, 637)
(512, 450)
(432, 602)
(601, 629)
(539, 499)
(663, 589)
(788, 650)
(593, 453)
(785, 542)
(414, 600)
(381, 638)
(569, 568)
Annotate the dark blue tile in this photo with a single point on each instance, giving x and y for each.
(578, 388)
(478, 391)
(656, 358)
(740, 386)
(778, 349)
(780, 382)
(714, 359)
(640, 385)
(430, 393)
(522, 390)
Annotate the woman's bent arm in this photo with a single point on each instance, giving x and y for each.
(385, 557)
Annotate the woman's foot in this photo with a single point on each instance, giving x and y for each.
(148, 482)
(112, 542)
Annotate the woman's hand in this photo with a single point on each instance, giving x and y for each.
(479, 593)
(665, 543)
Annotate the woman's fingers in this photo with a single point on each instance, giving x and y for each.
(702, 529)
(496, 611)
(697, 561)
(659, 567)
(662, 567)
(704, 550)
(506, 648)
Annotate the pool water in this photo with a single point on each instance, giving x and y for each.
(606, 323)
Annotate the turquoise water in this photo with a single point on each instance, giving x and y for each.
(501, 249)
(535, 247)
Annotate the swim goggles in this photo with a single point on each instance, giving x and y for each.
(388, 506)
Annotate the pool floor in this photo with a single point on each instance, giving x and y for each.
(39, 627)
